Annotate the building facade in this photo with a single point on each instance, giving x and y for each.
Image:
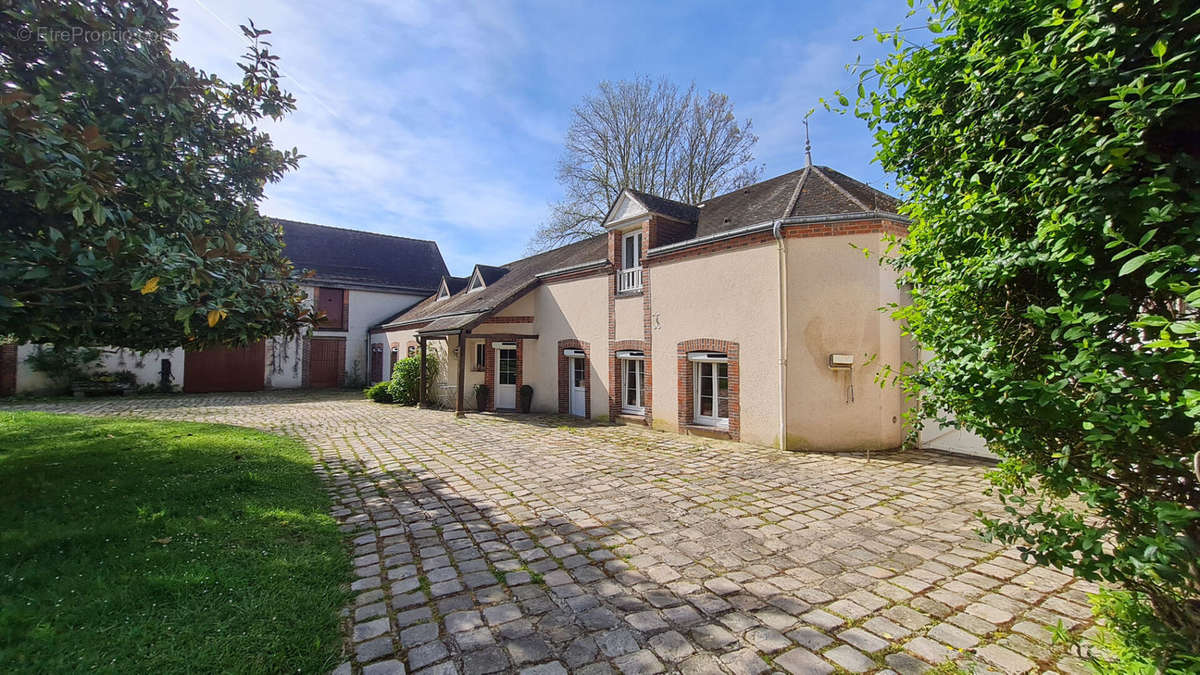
(357, 279)
(755, 316)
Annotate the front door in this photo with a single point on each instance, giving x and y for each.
(376, 363)
(506, 378)
(578, 393)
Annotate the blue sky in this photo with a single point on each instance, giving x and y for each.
(446, 121)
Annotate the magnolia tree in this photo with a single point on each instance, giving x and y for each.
(1050, 151)
(129, 184)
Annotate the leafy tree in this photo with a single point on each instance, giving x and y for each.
(648, 136)
(1051, 154)
(129, 184)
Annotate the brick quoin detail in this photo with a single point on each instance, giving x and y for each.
(615, 253)
(489, 370)
(564, 377)
(686, 390)
(304, 369)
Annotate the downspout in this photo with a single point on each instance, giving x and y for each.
(777, 230)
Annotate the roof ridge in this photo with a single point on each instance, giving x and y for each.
(796, 193)
(842, 190)
(747, 187)
(351, 229)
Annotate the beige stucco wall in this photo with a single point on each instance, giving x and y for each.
(570, 309)
(629, 314)
(367, 308)
(522, 306)
(730, 296)
(834, 296)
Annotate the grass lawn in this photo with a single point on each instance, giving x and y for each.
(136, 546)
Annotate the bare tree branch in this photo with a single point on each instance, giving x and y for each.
(648, 136)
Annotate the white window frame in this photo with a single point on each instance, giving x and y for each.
(624, 358)
(637, 247)
(698, 361)
(476, 284)
(443, 291)
(629, 277)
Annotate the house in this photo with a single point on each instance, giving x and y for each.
(754, 316)
(359, 279)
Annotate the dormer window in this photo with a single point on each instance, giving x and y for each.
(476, 283)
(443, 291)
(629, 277)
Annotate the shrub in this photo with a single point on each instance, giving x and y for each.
(379, 393)
(406, 377)
(1050, 156)
(62, 363)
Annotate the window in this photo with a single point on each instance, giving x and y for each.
(480, 356)
(412, 349)
(334, 303)
(476, 283)
(507, 366)
(633, 381)
(710, 378)
(578, 373)
(631, 254)
(443, 291)
(629, 277)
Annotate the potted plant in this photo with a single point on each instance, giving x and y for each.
(526, 398)
(481, 396)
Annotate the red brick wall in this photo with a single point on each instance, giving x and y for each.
(664, 231)
(564, 377)
(686, 392)
(8, 370)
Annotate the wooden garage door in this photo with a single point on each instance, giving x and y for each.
(326, 361)
(239, 369)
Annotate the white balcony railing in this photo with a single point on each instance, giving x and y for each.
(629, 280)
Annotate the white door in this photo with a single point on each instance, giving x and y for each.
(578, 393)
(506, 378)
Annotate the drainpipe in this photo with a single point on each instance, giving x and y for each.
(777, 230)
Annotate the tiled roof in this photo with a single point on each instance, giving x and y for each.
(490, 273)
(667, 207)
(462, 308)
(353, 257)
(811, 191)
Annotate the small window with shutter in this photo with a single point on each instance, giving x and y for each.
(334, 303)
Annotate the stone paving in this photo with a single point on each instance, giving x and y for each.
(540, 545)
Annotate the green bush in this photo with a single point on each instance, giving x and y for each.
(62, 363)
(406, 378)
(1051, 162)
(379, 393)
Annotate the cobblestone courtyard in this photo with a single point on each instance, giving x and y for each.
(536, 545)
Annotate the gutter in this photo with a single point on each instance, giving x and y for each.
(431, 318)
(572, 268)
(781, 242)
(772, 224)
